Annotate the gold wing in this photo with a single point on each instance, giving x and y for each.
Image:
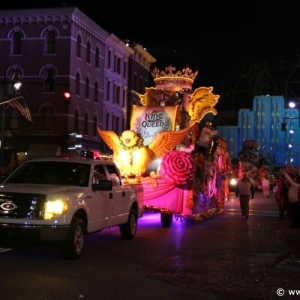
(202, 102)
(167, 140)
(111, 139)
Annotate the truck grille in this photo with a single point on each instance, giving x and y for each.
(21, 206)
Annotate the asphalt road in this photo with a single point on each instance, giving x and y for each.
(222, 257)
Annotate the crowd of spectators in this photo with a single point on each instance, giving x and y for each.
(286, 192)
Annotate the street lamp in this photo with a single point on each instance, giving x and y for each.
(292, 104)
(9, 88)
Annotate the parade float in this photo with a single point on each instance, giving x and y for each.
(159, 152)
(257, 165)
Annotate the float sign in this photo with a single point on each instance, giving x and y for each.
(148, 121)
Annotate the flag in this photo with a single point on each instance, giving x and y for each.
(20, 104)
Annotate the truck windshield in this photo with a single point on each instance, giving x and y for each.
(51, 172)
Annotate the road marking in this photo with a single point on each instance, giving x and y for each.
(5, 249)
(266, 213)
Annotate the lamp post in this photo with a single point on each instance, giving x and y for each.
(9, 88)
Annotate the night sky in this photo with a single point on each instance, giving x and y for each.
(216, 38)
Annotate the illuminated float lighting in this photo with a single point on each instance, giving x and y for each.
(173, 80)
(233, 182)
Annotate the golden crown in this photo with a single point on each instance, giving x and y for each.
(170, 79)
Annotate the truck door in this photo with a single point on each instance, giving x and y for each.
(121, 200)
(101, 206)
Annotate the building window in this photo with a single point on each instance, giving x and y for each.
(95, 127)
(88, 53)
(114, 93)
(76, 121)
(115, 63)
(124, 99)
(97, 58)
(86, 124)
(96, 92)
(87, 88)
(49, 82)
(107, 121)
(117, 95)
(47, 119)
(124, 69)
(78, 47)
(119, 65)
(17, 43)
(50, 42)
(108, 91)
(108, 59)
(77, 84)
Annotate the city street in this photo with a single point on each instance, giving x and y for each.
(222, 257)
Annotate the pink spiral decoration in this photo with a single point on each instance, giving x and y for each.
(177, 167)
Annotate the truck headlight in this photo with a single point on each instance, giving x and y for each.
(55, 208)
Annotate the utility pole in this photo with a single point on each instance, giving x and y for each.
(3, 124)
(9, 88)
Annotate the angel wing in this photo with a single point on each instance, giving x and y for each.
(110, 138)
(202, 102)
(167, 140)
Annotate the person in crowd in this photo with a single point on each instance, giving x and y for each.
(275, 186)
(265, 184)
(245, 190)
(293, 198)
(281, 197)
(204, 138)
(99, 174)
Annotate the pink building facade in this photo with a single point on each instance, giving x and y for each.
(51, 51)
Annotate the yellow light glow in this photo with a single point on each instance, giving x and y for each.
(233, 181)
(54, 208)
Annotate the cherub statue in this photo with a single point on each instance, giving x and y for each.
(130, 154)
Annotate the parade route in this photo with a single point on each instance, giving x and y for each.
(258, 258)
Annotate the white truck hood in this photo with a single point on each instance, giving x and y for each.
(40, 189)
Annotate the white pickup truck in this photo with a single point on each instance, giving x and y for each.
(62, 200)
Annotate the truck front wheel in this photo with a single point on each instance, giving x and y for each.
(166, 219)
(128, 230)
(73, 245)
